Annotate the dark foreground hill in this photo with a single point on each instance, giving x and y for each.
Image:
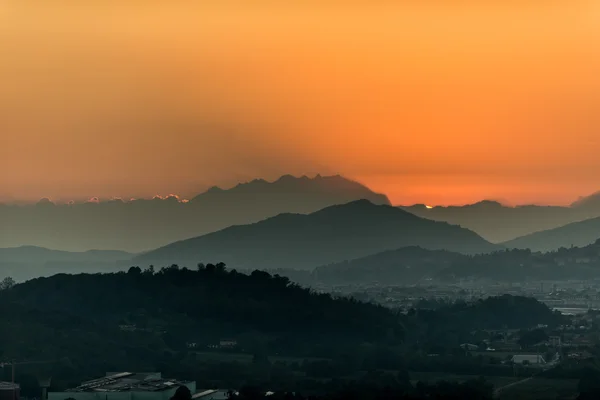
(140, 320)
(85, 325)
(334, 234)
(28, 262)
(576, 234)
(140, 225)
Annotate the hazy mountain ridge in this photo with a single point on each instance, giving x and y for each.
(35, 253)
(499, 223)
(406, 265)
(411, 265)
(146, 224)
(28, 262)
(578, 234)
(336, 233)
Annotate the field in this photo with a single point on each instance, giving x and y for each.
(432, 377)
(245, 357)
(541, 389)
(500, 355)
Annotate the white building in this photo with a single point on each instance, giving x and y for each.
(532, 359)
(211, 395)
(125, 386)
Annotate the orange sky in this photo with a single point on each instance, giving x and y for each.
(433, 103)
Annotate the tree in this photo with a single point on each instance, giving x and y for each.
(182, 393)
(220, 267)
(251, 393)
(589, 386)
(7, 283)
(134, 271)
(533, 337)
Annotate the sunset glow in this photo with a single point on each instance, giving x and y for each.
(429, 103)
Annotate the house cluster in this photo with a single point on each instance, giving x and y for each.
(137, 386)
(224, 344)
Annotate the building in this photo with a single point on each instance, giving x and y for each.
(125, 386)
(228, 343)
(9, 391)
(531, 359)
(218, 394)
(214, 394)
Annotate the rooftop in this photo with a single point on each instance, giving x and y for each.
(531, 358)
(128, 381)
(8, 386)
(211, 395)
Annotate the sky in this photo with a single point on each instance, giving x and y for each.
(430, 102)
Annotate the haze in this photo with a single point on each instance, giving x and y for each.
(429, 103)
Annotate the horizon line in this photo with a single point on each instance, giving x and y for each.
(183, 200)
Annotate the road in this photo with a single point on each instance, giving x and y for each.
(500, 389)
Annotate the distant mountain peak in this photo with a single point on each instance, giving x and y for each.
(587, 201)
(488, 203)
(45, 202)
(143, 224)
(352, 206)
(335, 233)
(361, 203)
(288, 177)
(214, 189)
(334, 185)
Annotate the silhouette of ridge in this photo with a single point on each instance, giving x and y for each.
(333, 234)
(27, 262)
(500, 223)
(581, 233)
(143, 224)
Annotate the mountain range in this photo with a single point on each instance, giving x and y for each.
(499, 223)
(140, 225)
(146, 224)
(336, 233)
(407, 265)
(577, 234)
(412, 265)
(27, 262)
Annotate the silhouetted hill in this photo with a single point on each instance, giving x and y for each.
(142, 319)
(304, 192)
(498, 223)
(330, 235)
(141, 225)
(28, 262)
(576, 234)
(591, 202)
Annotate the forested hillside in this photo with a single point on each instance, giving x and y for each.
(136, 319)
(285, 335)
